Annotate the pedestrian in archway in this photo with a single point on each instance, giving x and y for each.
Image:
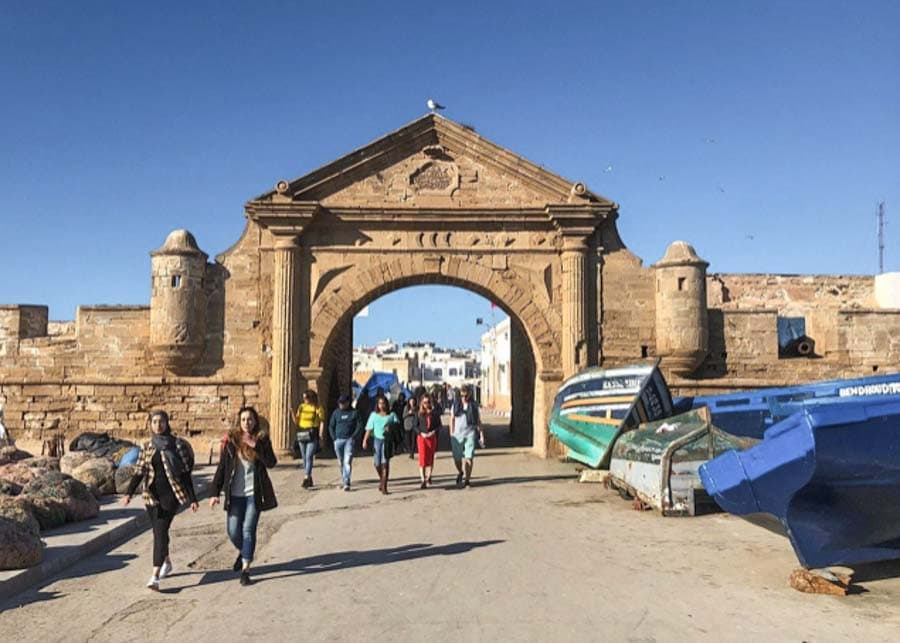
(244, 461)
(428, 424)
(164, 466)
(380, 423)
(410, 412)
(343, 428)
(397, 409)
(465, 421)
(310, 420)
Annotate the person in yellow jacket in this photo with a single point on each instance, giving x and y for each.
(310, 420)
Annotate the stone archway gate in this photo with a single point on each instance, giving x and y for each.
(430, 203)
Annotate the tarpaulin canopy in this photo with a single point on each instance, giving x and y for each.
(388, 382)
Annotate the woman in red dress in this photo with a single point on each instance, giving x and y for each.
(428, 423)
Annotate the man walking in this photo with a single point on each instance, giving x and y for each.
(465, 420)
(343, 428)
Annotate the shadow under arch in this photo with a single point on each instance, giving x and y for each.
(533, 320)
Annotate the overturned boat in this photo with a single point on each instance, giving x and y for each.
(830, 474)
(750, 413)
(658, 463)
(594, 407)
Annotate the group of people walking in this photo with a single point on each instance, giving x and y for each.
(413, 424)
(163, 469)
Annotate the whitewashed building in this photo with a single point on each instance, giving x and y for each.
(496, 391)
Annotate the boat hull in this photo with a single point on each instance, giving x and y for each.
(829, 474)
(593, 408)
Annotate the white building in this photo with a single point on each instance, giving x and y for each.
(496, 392)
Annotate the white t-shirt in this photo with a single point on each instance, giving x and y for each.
(461, 428)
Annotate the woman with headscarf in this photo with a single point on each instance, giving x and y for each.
(427, 427)
(243, 474)
(164, 465)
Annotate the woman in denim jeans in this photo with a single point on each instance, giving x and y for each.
(310, 419)
(343, 428)
(380, 422)
(243, 474)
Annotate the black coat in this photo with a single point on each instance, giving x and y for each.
(263, 492)
(421, 425)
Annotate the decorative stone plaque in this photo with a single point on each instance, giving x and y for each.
(435, 177)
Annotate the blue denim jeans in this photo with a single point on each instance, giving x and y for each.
(308, 451)
(343, 449)
(242, 520)
(380, 454)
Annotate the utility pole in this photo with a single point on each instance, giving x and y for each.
(880, 218)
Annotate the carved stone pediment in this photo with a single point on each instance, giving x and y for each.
(435, 177)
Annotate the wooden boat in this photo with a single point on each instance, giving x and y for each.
(593, 407)
(750, 413)
(658, 463)
(830, 474)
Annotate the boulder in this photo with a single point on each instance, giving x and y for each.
(19, 548)
(72, 460)
(98, 472)
(123, 477)
(20, 473)
(49, 513)
(20, 510)
(9, 488)
(79, 503)
(42, 462)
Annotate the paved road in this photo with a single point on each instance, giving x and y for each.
(526, 555)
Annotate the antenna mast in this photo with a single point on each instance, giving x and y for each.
(880, 217)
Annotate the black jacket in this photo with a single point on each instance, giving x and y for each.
(421, 425)
(263, 492)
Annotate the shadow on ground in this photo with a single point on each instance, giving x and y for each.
(343, 560)
(93, 565)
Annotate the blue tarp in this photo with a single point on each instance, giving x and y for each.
(388, 382)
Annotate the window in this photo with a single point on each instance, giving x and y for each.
(176, 281)
(438, 372)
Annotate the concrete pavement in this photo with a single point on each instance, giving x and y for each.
(527, 555)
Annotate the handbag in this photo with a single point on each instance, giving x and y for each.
(305, 435)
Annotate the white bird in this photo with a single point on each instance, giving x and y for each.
(433, 105)
(608, 169)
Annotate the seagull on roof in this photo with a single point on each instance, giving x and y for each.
(434, 106)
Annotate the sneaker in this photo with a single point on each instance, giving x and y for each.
(346, 487)
(423, 485)
(153, 583)
(245, 578)
(459, 480)
(165, 570)
(305, 484)
(238, 563)
(468, 483)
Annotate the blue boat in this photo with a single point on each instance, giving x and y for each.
(830, 474)
(750, 413)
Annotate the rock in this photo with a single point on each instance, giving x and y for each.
(79, 503)
(72, 460)
(9, 488)
(20, 510)
(42, 462)
(98, 472)
(20, 473)
(49, 513)
(819, 581)
(19, 548)
(123, 477)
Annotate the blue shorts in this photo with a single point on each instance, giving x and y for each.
(463, 447)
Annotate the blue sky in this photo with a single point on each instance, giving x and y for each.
(763, 133)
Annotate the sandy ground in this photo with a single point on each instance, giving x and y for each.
(525, 555)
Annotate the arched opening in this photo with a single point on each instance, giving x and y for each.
(435, 334)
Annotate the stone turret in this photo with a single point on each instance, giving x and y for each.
(178, 302)
(682, 328)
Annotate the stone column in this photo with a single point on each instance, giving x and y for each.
(284, 315)
(574, 305)
(546, 384)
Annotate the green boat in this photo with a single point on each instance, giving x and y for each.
(595, 406)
